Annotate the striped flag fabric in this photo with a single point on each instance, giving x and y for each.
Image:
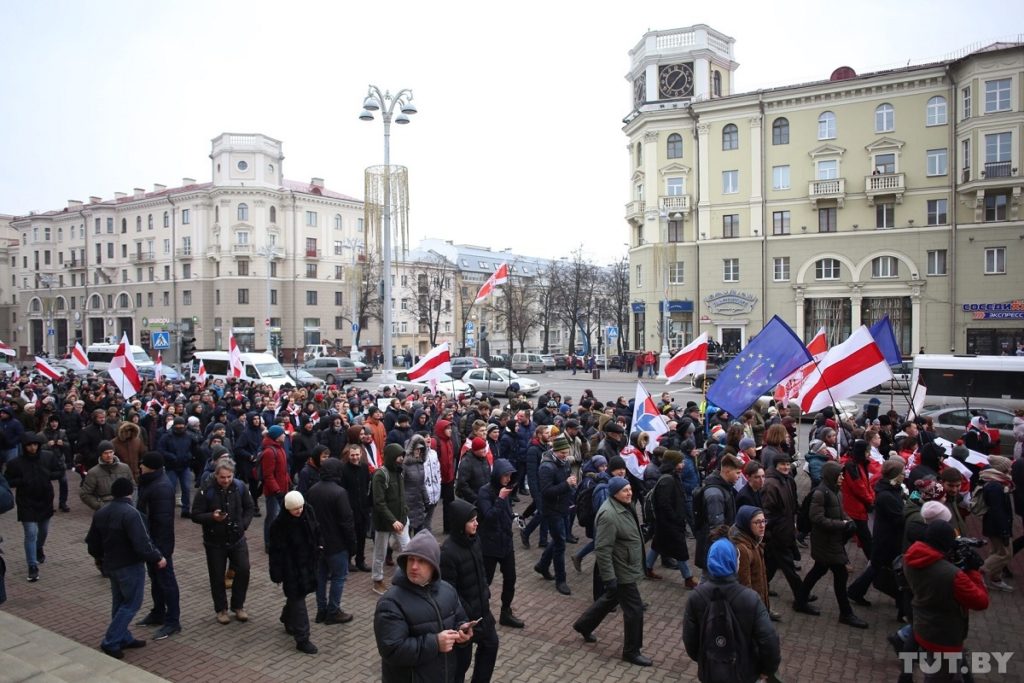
(7, 350)
(499, 277)
(435, 364)
(789, 388)
(234, 357)
(201, 375)
(45, 369)
(123, 370)
(692, 360)
(850, 368)
(78, 357)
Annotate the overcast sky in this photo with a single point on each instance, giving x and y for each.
(518, 142)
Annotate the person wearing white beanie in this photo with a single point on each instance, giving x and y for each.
(935, 509)
(294, 543)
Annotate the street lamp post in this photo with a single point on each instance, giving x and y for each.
(48, 282)
(386, 103)
(355, 246)
(270, 253)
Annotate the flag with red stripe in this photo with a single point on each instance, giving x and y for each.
(499, 277)
(7, 350)
(435, 364)
(789, 388)
(692, 360)
(850, 368)
(201, 375)
(234, 357)
(123, 370)
(44, 368)
(78, 357)
(158, 371)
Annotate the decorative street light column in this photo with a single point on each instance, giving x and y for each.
(270, 253)
(386, 103)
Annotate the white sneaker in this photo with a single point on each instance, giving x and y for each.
(1000, 585)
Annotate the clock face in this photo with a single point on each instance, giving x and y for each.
(675, 80)
(640, 90)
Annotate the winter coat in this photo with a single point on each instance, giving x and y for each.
(117, 537)
(445, 448)
(62, 453)
(495, 531)
(780, 507)
(156, 503)
(462, 565)
(887, 534)
(619, 545)
(31, 477)
(552, 478)
(178, 449)
(247, 446)
(828, 523)
(858, 492)
(95, 490)
(11, 430)
(432, 476)
(129, 447)
(235, 500)
(940, 624)
(670, 512)
(333, 510)
(748, 496)
(400, 436)
(415, 489)
(474, 472)
(307, 477)
(998, 520)
(750, 570)
(275, 468)
(89, 441)
(335, 440)
(303, 443)
(388, 495)
(355, 479)
(295, 545)
(719, 508)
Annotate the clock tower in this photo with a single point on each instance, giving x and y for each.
(669, 69)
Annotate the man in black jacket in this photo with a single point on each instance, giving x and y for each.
(333, 511)
(90, 437)
(557, 487)
(118, 540)
(462, 565)
(32, 476)
(156, 502)
(494, 504)
(294, 546)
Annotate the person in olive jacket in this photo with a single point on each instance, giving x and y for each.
(295, 548)
(32, 476)
(462, 565)
(390, 511)
(620, 560)
(495, 532)
(333, 511)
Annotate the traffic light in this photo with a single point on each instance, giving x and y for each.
(144, 339)
(188, 350)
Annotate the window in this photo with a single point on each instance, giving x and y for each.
(674, 187)
(885, 266)
(780, 177)
(149, 299)
(885, 215)
(150, 274)
(110, 227)
(780, 222)
(273, 297)
(995, 207)
(243, 267)
(826, 269)
(675, 231)
(674, 147)
(966, 95)
(639, 154)
(186, 270)
(311, 219)
(997, 95)
(138, 224)
(167, 298)
(885, 118)
(780, 268)
(339, 273)
(167, 219)
(337, 221)
(405, 304)
(935, 111)
(731, 225)
(731, 270)
(730, 137)
(827, 219)
(405, 327)
(827, 169)
(361, 224)
(937, 211)
(149, 222)
(716, 83)
(639, 275)
(273, 268)
(216, 297)
(243, 296)
(997, 148)
(243, 212)
(937, 262)
(124, 226)
(885, 163)
(273, 214)
(339, 322)
(311, 270)
(167, 246)
(676, 272)
(186, 297)
(310, 246)
(338, 247)
(937, 162)
(186, 216)
(311, 297)
(780, 131)
(242, 237)
(339, 300)
(995, 261)
(186, 245)
(730, 182)
(826, 126)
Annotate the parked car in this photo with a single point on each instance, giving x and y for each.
(616, 362)
(495, 381)
(549, 361)
(845, 408)
(498, 361)
(302, 378)
(951, 422)
(363, 371)
(332, 369)
(148, 372)
(527, 362)
(445, 384)
(462, 363)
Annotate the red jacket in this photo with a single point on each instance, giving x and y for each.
(858, 494)
(940, 625)
(445, 452)
(275, 468)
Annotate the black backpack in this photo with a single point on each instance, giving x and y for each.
(647, 527)
(725, 648)
(585, 511)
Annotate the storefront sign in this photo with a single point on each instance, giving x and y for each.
(730, 302)
(997, 315)
(1016, 305)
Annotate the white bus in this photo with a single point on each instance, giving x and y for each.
(100, 355)
(996, 381)
(259, 367)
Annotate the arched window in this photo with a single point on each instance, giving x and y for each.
(36, 306)
(716, 83)
(675, 146)
(936, 111)
(273, 214)
(95, 302)
(138, 224)
(123, 301)
(826, 269)
(730, 137)
(60, 303)
(167, 219)
(149, 221)
(243, 212)
(124, 225)
(780, 131)
(337, 221)
(885, 118)
(826, 126)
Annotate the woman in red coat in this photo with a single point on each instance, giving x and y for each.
(858, 493)
(276, 483)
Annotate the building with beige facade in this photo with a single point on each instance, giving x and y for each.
(832, 203)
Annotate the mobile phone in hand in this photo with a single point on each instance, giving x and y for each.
(470, 624)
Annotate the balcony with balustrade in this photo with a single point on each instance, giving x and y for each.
(831, 189)
(143, 257)
(671, 204)
(239, 249)
(183, 253)
(635, 211)
(885, 184)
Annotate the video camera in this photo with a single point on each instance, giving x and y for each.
(964, 554)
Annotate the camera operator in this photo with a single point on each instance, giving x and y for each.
(936, 568)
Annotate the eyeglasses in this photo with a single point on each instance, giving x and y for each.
(759, 522)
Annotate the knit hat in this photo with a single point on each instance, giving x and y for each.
(193, 421)
(613, 428)
(933, 510)
(815, 446)
(154, 460)
(722, 559)
(999, 463)
(960, 452)
(673, 457)
(493, 427)
(745, 515)
(616, 462)
(929, 489)
(564, 408)
(598, 461)
(331, 469)
(940, 535)
(560, 443)
(892, 468)
(122, 488)
(275, 432)
(616, 484)
(478, 444)
(104, 446)
(746, 442)
(717, 433)
(293, 500)
(424, 546)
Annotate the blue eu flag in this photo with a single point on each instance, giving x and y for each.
(770, 357)
(886, 339)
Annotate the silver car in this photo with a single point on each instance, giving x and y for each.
(332, 369)
(493, 381)
(951, 422)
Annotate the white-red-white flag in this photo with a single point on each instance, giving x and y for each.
(789, 388)
(44, 368)
(123, 370)
(850, 368)
(499, 277)
(201, 375)
(158, 370)
(435, 364)
(7, 350)
(692, 360)
(78, 357)
(234, 357)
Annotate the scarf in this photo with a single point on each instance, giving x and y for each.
(997, 476)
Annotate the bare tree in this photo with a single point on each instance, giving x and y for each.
(517, 310)
(368, 306)
(617, 299)
(432, 293)
(575, 281)
(546, 295)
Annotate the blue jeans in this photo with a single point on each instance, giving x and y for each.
(554, 554)
(8, 454)
(684, 566)
(273, 505)
(163, 588)
(185, 479)
(585, 550)
(334, 568)
(127, 586)
(35, 539)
